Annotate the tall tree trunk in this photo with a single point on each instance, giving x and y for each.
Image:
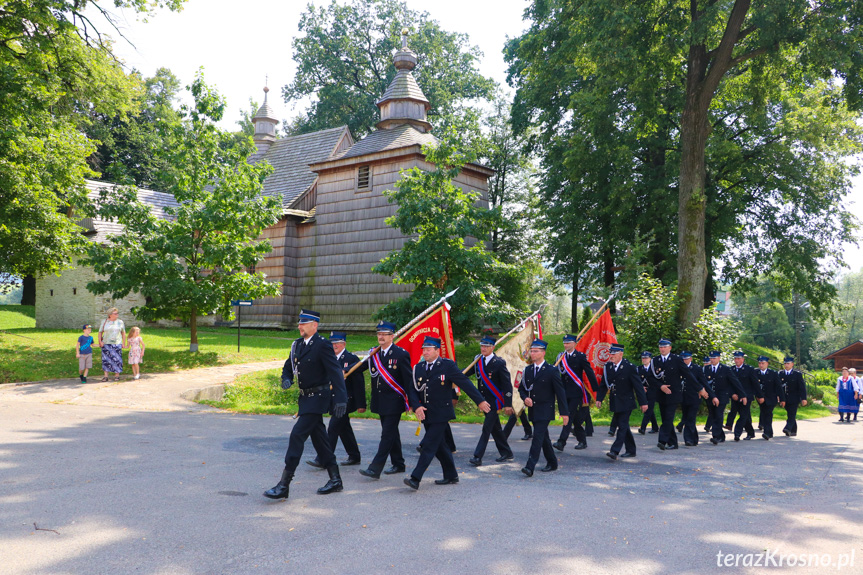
(28, 284)
(193, 324)
(574, 305)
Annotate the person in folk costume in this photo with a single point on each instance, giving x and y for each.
(392, 386)
(539, 388)
(846, 389)
(433, 380)
(651, 387)
(621, 381)
(795, 394)
(574, 368)
(321, 385)
(494, 382)
(340, 427)
(858, 381)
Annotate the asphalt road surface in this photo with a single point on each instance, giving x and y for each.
(95, 489)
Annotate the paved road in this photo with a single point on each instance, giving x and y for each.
(122, 490)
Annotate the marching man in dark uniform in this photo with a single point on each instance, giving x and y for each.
(322, 384)
(773, 393)
(751, 389)
(725, 385)
(651, 386)
(574, 367)
(673, 375)
(340, 427)
(795, 394)
(433, 381)
(621, 380)
(392, 388)
(742, 371)
(692, 396)
(539, 388)
(708, 424)
(493, 381)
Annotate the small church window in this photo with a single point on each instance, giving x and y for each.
(364, 178)
(74, 291)
(52, 293)
(251, 269)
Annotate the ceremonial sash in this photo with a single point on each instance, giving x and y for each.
(388, 378)
(576, 379)
(487, 381)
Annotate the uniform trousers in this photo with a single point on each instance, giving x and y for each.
(577, 416)
(513, 419)
(390, 445)
(340, 428)
(309, 425)
(434, 445)
(708, 425)
(791, 421)
(690, 431)
(767, 419)
(541, 442)
(649, 416)
(667, 433)
(624, 437)
(744, 421)
(491, 427)
(732, 414)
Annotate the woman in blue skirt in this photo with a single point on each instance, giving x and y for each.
(847, 392)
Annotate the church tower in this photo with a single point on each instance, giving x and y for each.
(265, 126)
(404, 101)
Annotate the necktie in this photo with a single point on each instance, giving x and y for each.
(714, 369)
(428, 367)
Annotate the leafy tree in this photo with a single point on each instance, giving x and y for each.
(710, 332)
(127, 150)
(649, 314)
(636, 98)
(440, 215)
(55, 65)
(195, 261)
(247, 126)
(846, 326)
(344, 59)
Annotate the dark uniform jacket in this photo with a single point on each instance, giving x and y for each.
(355, 383)
(320, 378)
(542, 385)
(795, 388)
(497, 372)
(649, 381)
(690, 392)
(748, 382)
(724, 382)
(432, 389)
(620, 384)
(397, 362)
(771, 387)
(673, 373)
(581, 367)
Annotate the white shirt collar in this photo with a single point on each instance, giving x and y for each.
(487, 358)
(339, 355)
(665, 357)
(539, 366)
(386, 349)
(306, 340)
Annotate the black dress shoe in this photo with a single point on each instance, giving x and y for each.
(580, 446)
(350, 461)
(653, 431)
(748, 437)
(282, 488)
(641, 431)
(527, 471)
(706, 430)
(727, 427)
(612, 433)
(475, 461)
(445, 481)
(611, 455)
(627, 454)
(548, 468)
(503, 458)
(764, 435)
(689, 444)
(527, 436)
(792, 434)
(760, 428)
(714, 441)
(670, 447)
(736, 438)
(335, 482)
(661, 446)
(370, 473)
(314, 463)
(558, 445)
(394, 469)
(419, 448)
(786, 432)
(679, 429)
(411, 482)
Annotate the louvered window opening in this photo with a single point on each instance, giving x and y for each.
(364, 178)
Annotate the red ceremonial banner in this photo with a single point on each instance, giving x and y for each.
(597, 341)
(436, 324)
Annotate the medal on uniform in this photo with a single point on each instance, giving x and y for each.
(442, 378)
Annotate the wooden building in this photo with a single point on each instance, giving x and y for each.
(849, 356)
(333, 229)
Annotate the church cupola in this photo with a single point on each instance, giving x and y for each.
(265, 126)
(404, 102)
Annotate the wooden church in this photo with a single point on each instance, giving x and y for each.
(333, 226)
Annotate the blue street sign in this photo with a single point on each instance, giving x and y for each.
(241, 302)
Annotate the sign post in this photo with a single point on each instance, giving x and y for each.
(240, 304)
